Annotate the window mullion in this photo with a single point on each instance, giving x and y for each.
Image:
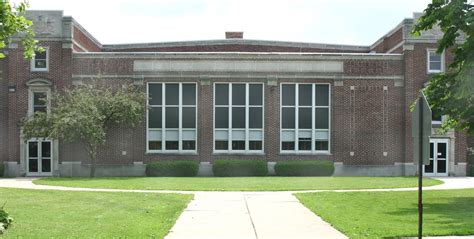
(313, 117)
(246, 117)
(229, 144)
(180, 116)
(163, 118)
(297, 86)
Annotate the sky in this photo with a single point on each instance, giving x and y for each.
(353, 22)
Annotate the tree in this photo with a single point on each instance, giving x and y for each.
(452, 93)
(85, 113)
(13, 22)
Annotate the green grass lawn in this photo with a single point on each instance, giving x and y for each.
(238, 183)
(394, 214)
(62, 214)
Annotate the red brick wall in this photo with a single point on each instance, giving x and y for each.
(84, 41)
(3, 111)
(390, 42)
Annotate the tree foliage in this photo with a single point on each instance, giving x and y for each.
(13, 22)
(452, 93)
(85, 113)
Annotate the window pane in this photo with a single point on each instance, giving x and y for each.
(172, 117)
(321, 145)
(40, 63)
(255, 117)
(304, 95)
(154, 145)
(435, 57)
(46, 149)
(222, 117)
(46, 165)
(435, 66)
(222, 145)
(222, 94)
(238, 94)
(238, 117)
(304, 144)
(441, 166)
(189, 117)
(238, 145)
(435, 115)
(255, 145)
(322, 118)
(189, 94)
(33, 165)
(154, 117)
(189, 144)
(154, 91)
(288, 118)
(33, 149)
(40, 55)
(441, 150)
(39, 109)
(39, 99)
(255, 94)
(431, 150)
(322, 95)
(172, 145)
(288, 92)
(288, 145)
(304, 118)
(172, 94)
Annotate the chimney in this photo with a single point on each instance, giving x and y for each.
(234, 35)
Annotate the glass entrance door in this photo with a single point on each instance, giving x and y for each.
(39, 158)
(438, 158)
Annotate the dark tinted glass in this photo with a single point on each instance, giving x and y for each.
(154, 145)
(255, 118)
(189, 117)
(431, 150)
(304, 118)
(172, 145)
(288, 145)
(40, 98)
(238, 117)
(238, 94)
(189, 94)
(33, 149)
(154, 117)
(322, 118)
(441, 166)
(46, 149)
(154, 93)
(255, 94)
(222, 145)
(238, 145)
(304, 95)
(255, 145)
(322, 145)
(322, 95)
(288, 118)
(288, 94)
(172, 117)
(304, 144)
(40, 55)
(222, 94)
(441, 150)
(189, 144)
(429, 168)
(33, 165)
(222, 117)
(172, 94)
(46, 165)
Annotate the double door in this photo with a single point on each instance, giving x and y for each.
(39, 158)
(438, 158)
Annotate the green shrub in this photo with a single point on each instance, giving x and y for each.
(236, 168)
(5, 220)
(2, 168)
(304, 168)
(172, 168)
(471, 173)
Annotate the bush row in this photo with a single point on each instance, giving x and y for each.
(239, 168)
(471, 170)
(1, 169)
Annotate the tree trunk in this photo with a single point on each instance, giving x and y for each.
(93, 164)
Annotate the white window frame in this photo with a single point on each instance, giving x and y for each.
(32, 63)
(247, 129)
(313, 129)
(428, 53)
(180, 129)
(31, 91)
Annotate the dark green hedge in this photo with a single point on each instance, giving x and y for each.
(172, 168)
(471, 170)
(1, 169)
(304, 168)
(236, 168)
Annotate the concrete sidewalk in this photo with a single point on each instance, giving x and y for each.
(239, 215)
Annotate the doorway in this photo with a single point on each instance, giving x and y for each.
(39, 157)
(438, 158)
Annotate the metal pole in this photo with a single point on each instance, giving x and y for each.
(420, 171)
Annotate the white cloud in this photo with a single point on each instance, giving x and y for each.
(327, 21)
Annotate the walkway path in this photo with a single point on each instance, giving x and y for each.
(252, 215)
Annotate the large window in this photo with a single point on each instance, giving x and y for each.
(305, 118)
(40, 61)
(172, 117)
(238, 117)
(435, 61)
(38, 100)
